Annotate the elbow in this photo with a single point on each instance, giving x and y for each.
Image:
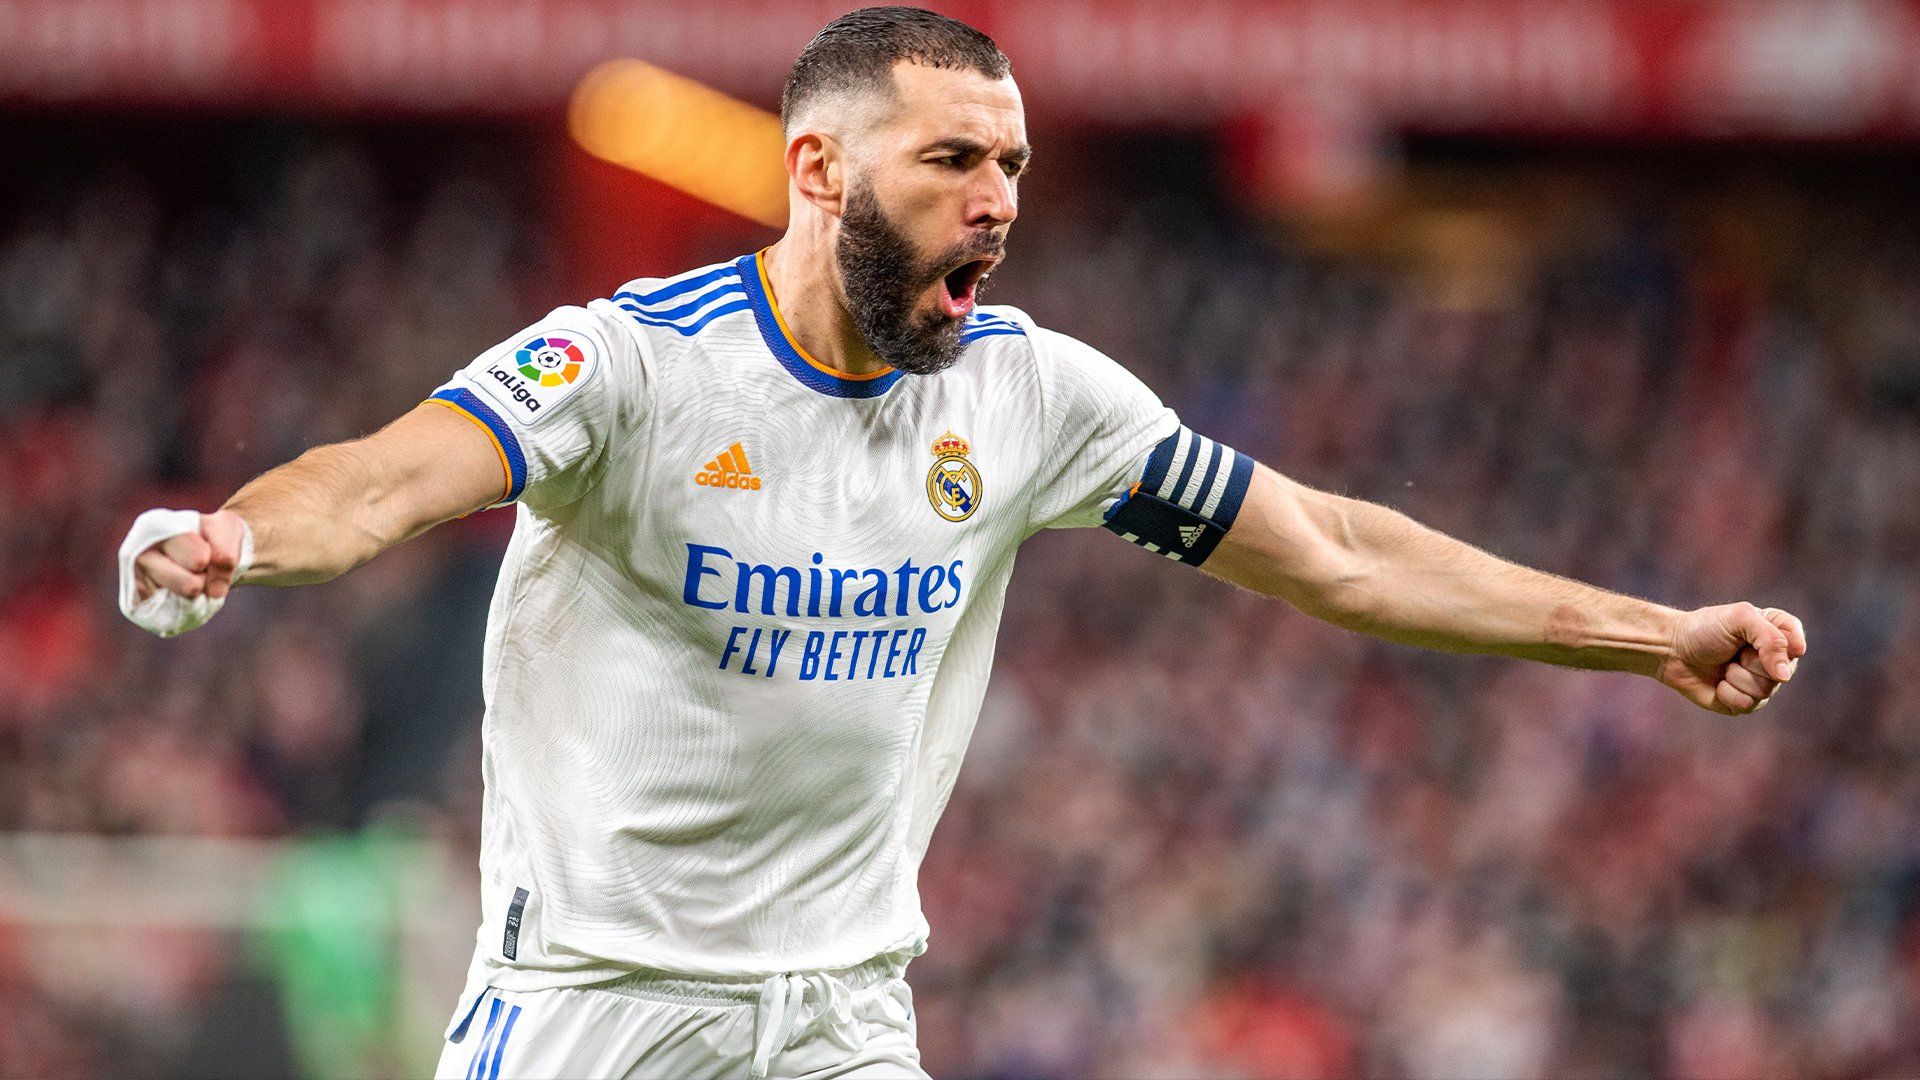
(364, 522)
(1309, 548)
(1337, 579)
(1337, 588)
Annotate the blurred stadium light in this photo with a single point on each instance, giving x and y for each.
(685, 135)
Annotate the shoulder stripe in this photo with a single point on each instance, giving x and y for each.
(983, 324)
(680, 285)
(692, 328)
(993, 322)
(724, 289)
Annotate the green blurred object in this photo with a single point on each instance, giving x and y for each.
(332, 919)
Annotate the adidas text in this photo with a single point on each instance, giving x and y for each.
(727, 480)
(729, 470)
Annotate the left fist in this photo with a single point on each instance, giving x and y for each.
(1732, 658)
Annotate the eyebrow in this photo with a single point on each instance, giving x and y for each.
(960, 144)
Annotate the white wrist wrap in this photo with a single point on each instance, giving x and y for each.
(164, 612)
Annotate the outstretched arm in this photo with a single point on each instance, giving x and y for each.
(1372, 569)
(334, 507)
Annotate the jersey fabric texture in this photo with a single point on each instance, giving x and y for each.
(744, 625)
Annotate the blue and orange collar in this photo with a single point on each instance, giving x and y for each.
(814, 374)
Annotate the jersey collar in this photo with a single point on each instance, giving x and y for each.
(812, 373)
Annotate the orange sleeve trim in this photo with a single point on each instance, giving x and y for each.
(506, 469)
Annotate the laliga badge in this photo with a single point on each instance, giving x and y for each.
(539, 374)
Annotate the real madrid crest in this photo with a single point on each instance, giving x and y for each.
(953, 484)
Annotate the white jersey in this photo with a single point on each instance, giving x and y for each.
(744, 625)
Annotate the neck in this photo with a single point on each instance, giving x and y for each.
(800, 277)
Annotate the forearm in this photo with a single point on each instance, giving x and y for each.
(1372, 569)
(317, 516)
(1408, 583)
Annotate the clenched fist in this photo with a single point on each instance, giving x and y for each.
(194, 563)
(176, 567)
(1732, 658)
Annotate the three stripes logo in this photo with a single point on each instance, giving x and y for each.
(729, 470)
(485, 1064)
(1190, 534)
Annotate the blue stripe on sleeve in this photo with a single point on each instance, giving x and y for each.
(466, 401)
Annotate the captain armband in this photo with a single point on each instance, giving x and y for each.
(1186, 500)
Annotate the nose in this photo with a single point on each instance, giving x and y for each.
(992, 203)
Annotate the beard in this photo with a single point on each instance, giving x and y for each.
(884, 277)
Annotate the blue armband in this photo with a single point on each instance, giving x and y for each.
(1186, 499)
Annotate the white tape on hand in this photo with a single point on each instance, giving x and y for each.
(164, 612)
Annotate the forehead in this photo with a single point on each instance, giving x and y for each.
(936, 102)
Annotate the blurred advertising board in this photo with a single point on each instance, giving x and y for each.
(1805, 69)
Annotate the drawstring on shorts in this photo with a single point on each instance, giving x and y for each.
(779, 1001)
(782, 998)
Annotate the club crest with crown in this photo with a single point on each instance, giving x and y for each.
(954, 486)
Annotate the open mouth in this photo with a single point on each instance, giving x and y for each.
(960, 285)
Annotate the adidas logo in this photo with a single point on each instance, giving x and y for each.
(729, 470)
(1190, 534)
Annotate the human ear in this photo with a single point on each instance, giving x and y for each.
(818, 165)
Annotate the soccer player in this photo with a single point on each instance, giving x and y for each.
(766, 514)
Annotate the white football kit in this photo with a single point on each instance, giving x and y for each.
(735, 654)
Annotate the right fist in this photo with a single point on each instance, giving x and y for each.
(194, 563)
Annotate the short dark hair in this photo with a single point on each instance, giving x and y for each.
(857, 51)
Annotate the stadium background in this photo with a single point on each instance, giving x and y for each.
(1628, 291)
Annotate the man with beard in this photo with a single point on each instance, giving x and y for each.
(767, 511)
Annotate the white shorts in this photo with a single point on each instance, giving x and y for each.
(855, 1023)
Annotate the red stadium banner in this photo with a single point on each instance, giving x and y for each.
(1794, 69)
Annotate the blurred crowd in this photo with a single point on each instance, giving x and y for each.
(1198, 834)
(163, 347)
